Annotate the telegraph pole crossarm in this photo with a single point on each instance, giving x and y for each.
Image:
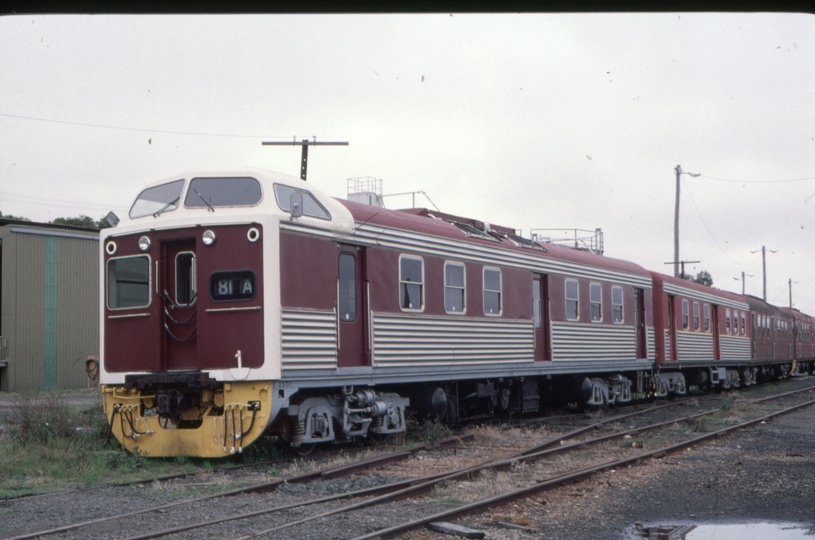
(305, 143)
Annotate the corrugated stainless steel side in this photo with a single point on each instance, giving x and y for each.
(309, 339)
(734, 348)
(651, 340)
(694, 346)
(576, 341)
(376, 235)
(400, 340)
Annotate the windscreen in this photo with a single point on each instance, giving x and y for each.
(157, 199)
(213, 192)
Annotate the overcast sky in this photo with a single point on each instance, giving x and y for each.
(529, 121)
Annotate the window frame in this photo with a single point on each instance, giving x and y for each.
(685, 314)
(192, 197)
(462, 288)
(353, 288)
(569, 300)
(306, 193)
(621, 305)
(727, 320)
(500, 290)
(696, 317)
(598, 303)
(149, 282)
(706, 311)
(193, 278)
(402, 283)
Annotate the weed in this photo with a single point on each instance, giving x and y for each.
(430, 432)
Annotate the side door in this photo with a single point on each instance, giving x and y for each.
(639, 322)
(540, 316)
(352, 308)
(672, 352)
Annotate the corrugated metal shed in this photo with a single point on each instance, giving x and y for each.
(49, 312)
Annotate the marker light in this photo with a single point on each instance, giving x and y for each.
(144, 243)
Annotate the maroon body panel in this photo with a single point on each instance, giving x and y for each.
(193, 332)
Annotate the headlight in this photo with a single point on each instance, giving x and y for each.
(208, 237)
(110, 247)
(144, 243)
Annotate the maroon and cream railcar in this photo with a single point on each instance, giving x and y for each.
(773, 347)
(233, 303)
(702, 334)
(803, 339)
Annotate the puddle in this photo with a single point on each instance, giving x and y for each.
(749, 531)
(725, 531)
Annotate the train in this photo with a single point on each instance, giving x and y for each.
(247, 302)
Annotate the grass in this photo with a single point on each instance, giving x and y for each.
(46, 445)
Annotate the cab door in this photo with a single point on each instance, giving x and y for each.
(178, 297)
(351, 308)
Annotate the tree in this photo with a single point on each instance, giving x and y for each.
(9, 216)
(82, 221)
(703, 277)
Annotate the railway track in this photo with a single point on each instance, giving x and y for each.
(395, 489)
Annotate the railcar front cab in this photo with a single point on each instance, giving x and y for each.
(183, 319)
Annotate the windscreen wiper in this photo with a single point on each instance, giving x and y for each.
(203, 199)
(166, 206)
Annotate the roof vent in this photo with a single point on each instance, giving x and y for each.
(366, 190)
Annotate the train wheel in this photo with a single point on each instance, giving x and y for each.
(284, 433)
(300, 451)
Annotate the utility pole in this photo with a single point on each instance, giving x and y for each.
(742, 281)
(791, 282)
(764, 267)
(305, 143)
(679, 172)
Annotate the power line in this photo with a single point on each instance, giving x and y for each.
(145, 130)
(46, 201)
(706, 227)
(759, 181)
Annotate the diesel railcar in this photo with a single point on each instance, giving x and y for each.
(235, 303)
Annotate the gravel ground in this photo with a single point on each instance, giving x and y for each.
(764, 473)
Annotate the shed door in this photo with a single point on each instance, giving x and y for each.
(351, 307)
(179, 304)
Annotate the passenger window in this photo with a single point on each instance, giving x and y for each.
(596, 301)
(492, 291)
(572, 300)
(707, 317)
(617, 304)
(685, 315)
(454, 287)
(696, 316)
(411, 283)
(537, 315)
(128, 282)
(727, 320)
